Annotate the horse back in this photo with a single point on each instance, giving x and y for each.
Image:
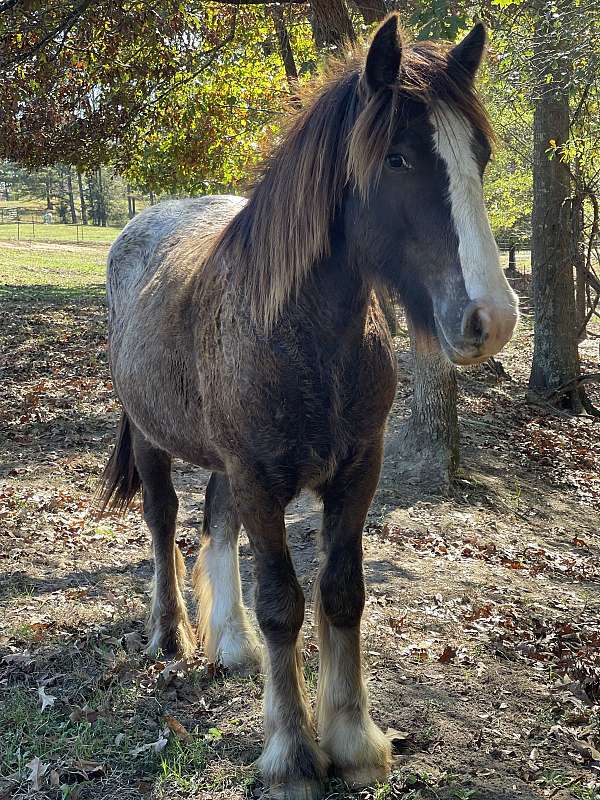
(150, 294)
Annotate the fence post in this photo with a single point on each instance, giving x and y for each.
(18, 231)
(512, 258)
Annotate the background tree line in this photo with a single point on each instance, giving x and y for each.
(178, 97)
(97, 197)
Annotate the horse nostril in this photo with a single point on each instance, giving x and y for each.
(475, 327)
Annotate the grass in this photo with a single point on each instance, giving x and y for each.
(85, 234)
(24, 266)
(60, 739)
(51, 735)
(180, 762)
(115, 743)
(30, 202)
(555, 780)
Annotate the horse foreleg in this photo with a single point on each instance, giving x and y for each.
(168, 623)
(359, 751)
(291, 763)
(223, 625)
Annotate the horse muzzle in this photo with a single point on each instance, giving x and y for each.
(482, 332)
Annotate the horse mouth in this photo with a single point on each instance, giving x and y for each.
(462, 356)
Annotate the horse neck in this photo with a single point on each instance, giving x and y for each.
(339, 296)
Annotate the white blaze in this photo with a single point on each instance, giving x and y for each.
(479, 260)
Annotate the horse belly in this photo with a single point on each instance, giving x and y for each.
(155, 378)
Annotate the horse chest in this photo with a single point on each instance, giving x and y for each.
(324, 404)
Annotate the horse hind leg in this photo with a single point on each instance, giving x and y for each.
(223, 625)
(169, 627)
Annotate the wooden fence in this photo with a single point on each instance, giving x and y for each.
(28, 230)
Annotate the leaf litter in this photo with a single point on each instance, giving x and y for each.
(481, 626)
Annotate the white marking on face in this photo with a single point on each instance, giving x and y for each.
(479, 259)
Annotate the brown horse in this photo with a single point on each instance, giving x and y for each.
(246, 338)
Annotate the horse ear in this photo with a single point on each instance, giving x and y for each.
(384, 56)
(466, 57)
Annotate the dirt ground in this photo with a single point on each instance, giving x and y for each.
(482, 625)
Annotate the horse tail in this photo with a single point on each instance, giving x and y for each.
(120, 481)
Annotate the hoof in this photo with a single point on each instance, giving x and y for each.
(298, 790)
(238, 650)
(360, 753)
(358, 777)
(293, 766)
(179, 641)
(244, 662)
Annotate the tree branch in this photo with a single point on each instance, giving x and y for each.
(574, 383)
(63, 27)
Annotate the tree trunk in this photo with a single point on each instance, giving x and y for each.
(332, 25)
(285, 48)
(102, 215)
(511, 270)
(371, 10)
(62, 205)
(82, 204)
(92, 199)
(49, 203)
(430, 438)
(579, 260)
(71, 197)
(555, 355)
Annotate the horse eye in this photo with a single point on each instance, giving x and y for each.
(397, 161)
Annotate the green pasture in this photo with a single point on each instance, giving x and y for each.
(26, 231)
(28, 266)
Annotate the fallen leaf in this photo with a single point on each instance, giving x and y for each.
(161, 742)
(24, 659)
(171, 670)
(587, 750)
(88, 770)
(37, 770)
(177, 728)
(132, 642)
(448, 654)
(156, 746)
(39, 628)
(86, 713)
(47, 699)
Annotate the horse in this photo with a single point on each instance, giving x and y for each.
(245, 337)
